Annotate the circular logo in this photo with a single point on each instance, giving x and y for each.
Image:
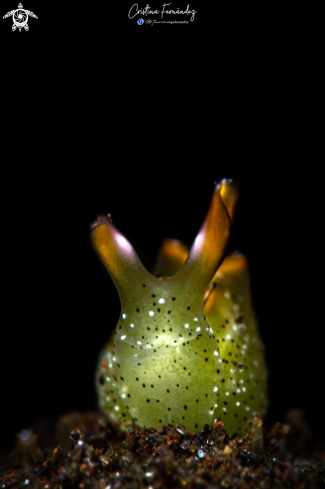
(20, 17)
(140, 21)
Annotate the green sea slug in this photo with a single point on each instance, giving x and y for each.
(186, 349)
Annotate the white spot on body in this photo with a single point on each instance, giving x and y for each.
(24, 435)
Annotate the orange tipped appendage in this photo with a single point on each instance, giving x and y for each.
(118, 256)
(211, 242)
(171, 256)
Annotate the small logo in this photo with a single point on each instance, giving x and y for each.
(140, 21)
(20, 18)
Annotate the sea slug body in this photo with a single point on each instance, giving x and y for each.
(186, 349)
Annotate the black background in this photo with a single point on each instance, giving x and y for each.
(103, 115)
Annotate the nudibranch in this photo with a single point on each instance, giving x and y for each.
(186, 349)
